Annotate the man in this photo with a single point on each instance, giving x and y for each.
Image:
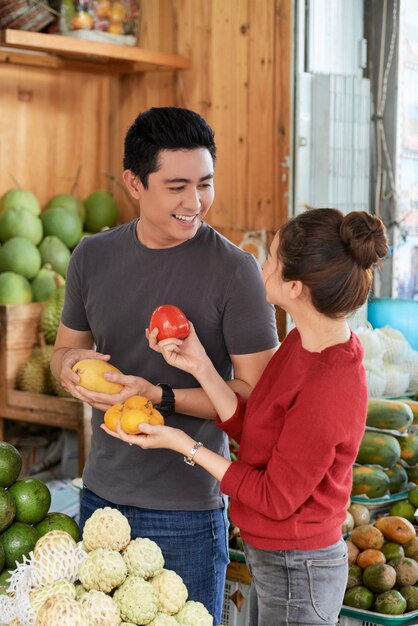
(114, 282)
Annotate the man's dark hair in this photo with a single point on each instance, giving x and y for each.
(164, 128)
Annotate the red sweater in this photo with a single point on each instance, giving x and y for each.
(299, 435)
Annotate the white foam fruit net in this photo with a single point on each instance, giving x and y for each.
(54, 561)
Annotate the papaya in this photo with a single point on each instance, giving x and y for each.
(410, 594)
(389, 414)
(380, 577)
(412, 474)
(409, 448)
(359, 598)
(367, 536)
(395, 528)
(369, 481)
(390, 603)
(371, 556)
(355, 576)
(398, 478)
(379, 449)
(413, 405)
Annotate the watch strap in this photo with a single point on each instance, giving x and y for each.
(168, 401)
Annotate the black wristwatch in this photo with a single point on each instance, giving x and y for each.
(167, 404)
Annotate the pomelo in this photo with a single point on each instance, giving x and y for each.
(55, 253)
(32, 499)
(14, 289)
(59, 521)
(20, 223)
(20, 199)
(64, 224)
(404, 509)
(7, 509)
(101, 211)
(18, 540)
(4, 576)
(67, 201)
(20, 255)
(2, 557)
(45, 282)
(10, 464)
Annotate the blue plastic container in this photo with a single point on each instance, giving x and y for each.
(400, 314)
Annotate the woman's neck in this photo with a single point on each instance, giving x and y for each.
(318, 331)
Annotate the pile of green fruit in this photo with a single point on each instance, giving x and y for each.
(35, 245)
(24, 517)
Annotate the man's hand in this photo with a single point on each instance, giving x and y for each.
(69, 379)
(132, 386)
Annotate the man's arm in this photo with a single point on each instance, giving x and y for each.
(247, 371)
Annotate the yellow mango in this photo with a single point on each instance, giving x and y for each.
(91, 373)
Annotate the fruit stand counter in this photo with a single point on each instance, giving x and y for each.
(19, 324)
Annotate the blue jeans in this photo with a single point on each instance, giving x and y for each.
(295, 587)
(194, 545)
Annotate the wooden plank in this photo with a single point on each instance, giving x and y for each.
(45, 404)
(47, 61)
(72, 47)
(52, 124)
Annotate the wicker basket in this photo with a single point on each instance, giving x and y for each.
(32, 15)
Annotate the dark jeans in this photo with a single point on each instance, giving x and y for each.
(194, 545)
(297, 587)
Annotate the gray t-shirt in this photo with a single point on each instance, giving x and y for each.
(113, 285)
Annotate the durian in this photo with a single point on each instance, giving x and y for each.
(31, 376)
(51, 315)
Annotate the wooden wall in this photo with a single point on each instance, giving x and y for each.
(55, 122)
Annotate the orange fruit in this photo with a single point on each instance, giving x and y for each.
(130, 420)
(156, 417)
(112, 416)
(138, 402)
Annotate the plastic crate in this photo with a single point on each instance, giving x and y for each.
(230, 614)
(351, 621)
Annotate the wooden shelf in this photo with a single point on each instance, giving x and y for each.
(61, 52)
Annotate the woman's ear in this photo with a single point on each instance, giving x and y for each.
(133, 184)
(296, 289)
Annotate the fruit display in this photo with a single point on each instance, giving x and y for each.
(383, 567)
(24, 516)
(36, 244)
(108, 578)
(109, 20)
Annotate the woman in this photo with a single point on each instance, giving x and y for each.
(300, 430)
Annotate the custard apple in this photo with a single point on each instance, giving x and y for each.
(102, 570)
(171, 590)
(79, 591)
(40, 596)
(162, 619)
(60, 610)
(194, 613)
(143, 558)
(54, 557)
(100, 609)
(137, 600)
(106, 528)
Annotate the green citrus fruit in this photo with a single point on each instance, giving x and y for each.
(45, 282)
(20, 223)
(32, 499)
(14, 289)
(20, 255)
(59, 521)
(18, 540)
(392, 551)
(10, 464)
(64, 224)
(69, 202)
(101, 211)
(19, 199)
(55, 253)
(404, 509)
(4, 576)
(7, 509)
(2, 556)
(413, 497)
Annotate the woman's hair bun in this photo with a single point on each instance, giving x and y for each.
(365, 237)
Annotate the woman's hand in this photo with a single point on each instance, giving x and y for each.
(155, 437)
(186, 354)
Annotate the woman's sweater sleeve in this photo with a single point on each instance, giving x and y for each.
(233, 426)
